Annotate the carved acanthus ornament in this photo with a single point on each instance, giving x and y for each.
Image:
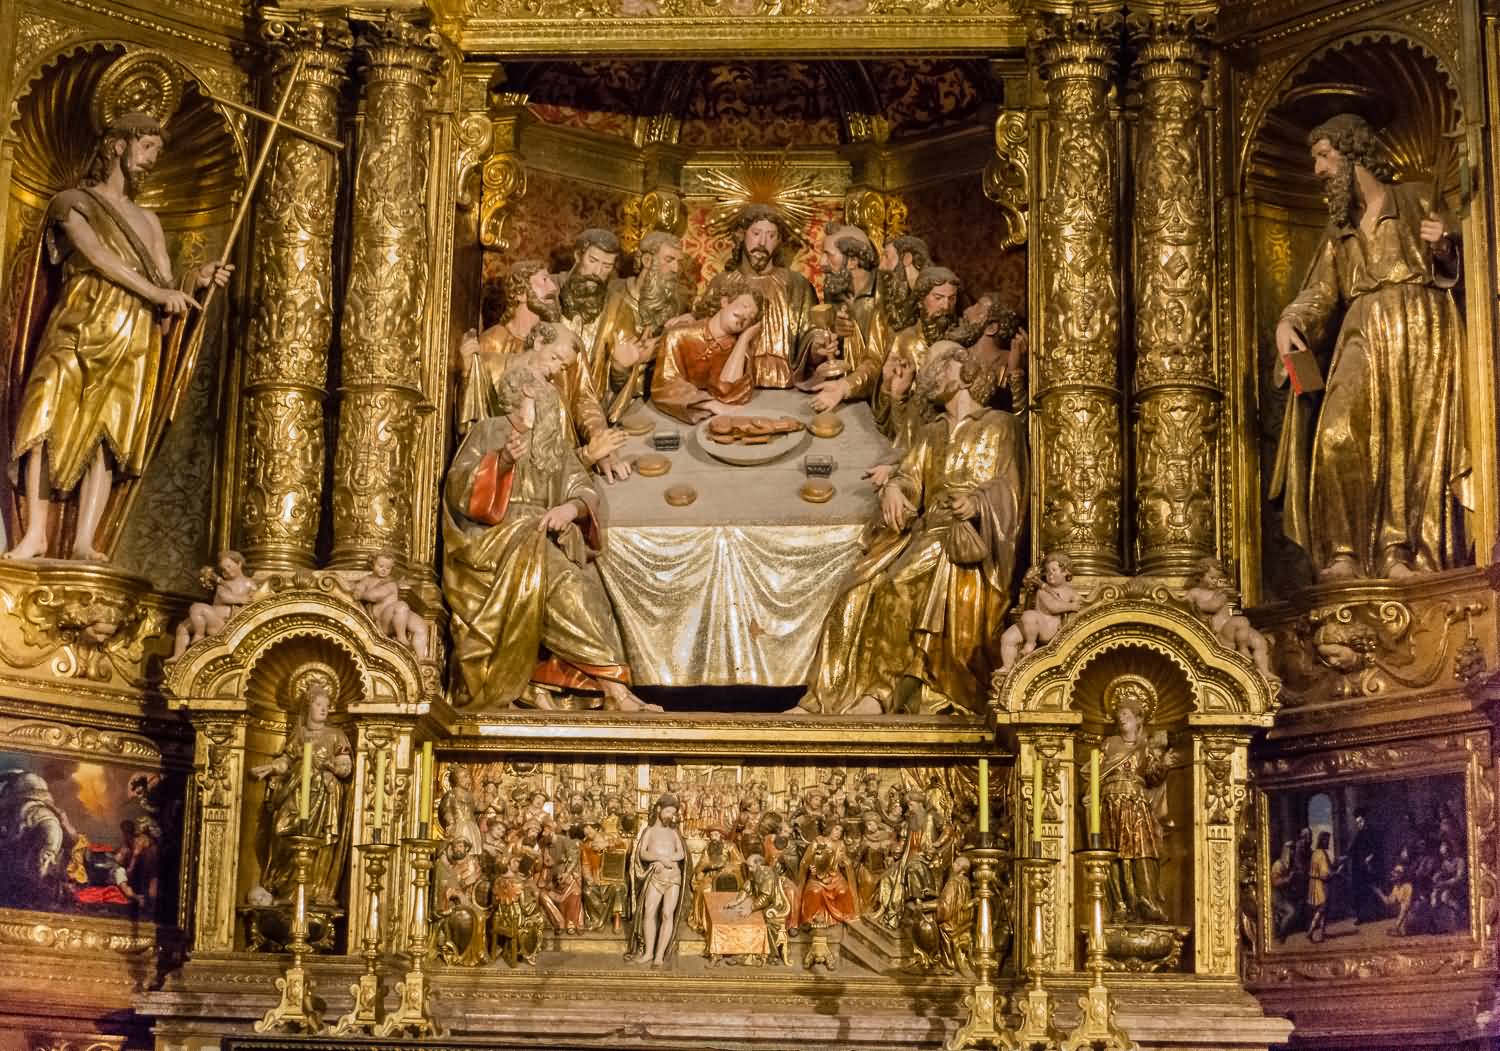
(881, 215)
(659, 209)
(286, 367)
(1176, 393)
(1007, 177)
(80, 622)
(503, 177)
(382, 326)
(1077, 381)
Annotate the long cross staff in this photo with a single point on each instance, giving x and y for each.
(179, 362)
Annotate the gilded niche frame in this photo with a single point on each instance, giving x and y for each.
(1470, 951)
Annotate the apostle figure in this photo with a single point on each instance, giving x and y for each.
(530, 296)
(584, 288)
(846, 366)
(899, 415)
(1376, 495)
(536, 293)
(998, 336)
(521, 527)
(313, 689)
(92, 392)
(901, 262)
(916, 623)
(636, 312)
(658, 872)
(761, 234)
(706, 367)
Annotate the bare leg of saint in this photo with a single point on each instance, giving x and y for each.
(33, 543)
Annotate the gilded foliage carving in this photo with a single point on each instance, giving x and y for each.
(373, 469)
(1175, 472)
(592, 10)
(88, 627)
(1082, 473)
(37, 34)
(1007, 177)
(283, 472)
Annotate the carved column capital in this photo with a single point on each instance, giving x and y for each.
(324, 40)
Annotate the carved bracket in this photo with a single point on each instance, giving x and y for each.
(1007, 176)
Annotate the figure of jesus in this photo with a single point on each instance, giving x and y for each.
(656, 872)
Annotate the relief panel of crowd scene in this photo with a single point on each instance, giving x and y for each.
(855, 867)
(88, 839)
(1367, 863)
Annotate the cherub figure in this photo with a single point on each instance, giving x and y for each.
(232, 586)
(1055, 597)
(381, 591)
(1213, 601)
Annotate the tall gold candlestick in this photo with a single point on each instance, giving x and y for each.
(412, 1016)
(369, 996)
(296, 1012)
(1037, 1027)
(985, 1026)
(1096, 1029)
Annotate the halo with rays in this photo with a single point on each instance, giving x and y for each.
(758, 179)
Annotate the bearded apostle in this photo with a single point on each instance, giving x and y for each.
(899, 415)
(92, 392)
(998, 337)
(902, 261)
(636, 311)
(919, 617)
(1378, 493)
(521, 528)
(845, 365)
(534, 292)
(761, 235)
(706, 367)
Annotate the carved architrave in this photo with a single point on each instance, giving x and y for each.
(1077, 381)
(1007, 176)
(384, 308)
(1453, 956)
(286, 367)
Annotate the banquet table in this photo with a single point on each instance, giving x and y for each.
(733, 588)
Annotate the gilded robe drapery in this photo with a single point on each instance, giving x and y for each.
(688, 372)
(527, 606)
(1388, 453)
(928, 603)
(789, 299)
(479, 397)
(326, 816)
(94, 376)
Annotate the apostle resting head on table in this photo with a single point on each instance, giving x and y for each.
(521, 527)
(706, 367)
(916, 626)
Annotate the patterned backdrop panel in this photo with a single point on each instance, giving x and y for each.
(762, 104)
(964, 231)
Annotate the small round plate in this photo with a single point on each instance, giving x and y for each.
(652, 465)
(774, 447)
(816, 491)
(638, 424)
(826, 425)
(680, 495)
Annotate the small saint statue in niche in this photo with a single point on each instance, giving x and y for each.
(1133, 772)
(313, 689)
(233, 587)
(1055, 598)
(380, 590)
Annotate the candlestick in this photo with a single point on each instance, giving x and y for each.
(429, 772)
(369, 995)
(413, 1017)
(1094, 793)
(985, 1026)
(379, 788)
(304, 792)
(1038, 797)
(296, 1011)
(1037, 1028)
(1096, 1029)
(984, 797)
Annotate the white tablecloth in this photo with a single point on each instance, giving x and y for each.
(732, 589)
